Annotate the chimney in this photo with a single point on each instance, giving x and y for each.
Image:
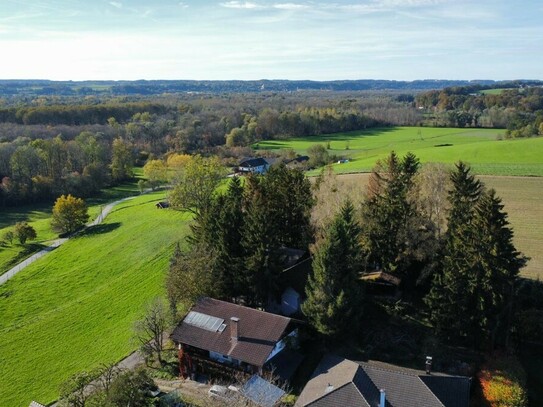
(382, 402)
(234, 328)
(428, 365)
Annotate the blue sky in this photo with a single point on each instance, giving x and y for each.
(272, 39)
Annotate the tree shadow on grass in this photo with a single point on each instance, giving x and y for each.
(101, 229)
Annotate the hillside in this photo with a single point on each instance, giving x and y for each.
(481, 148)
(74, 309)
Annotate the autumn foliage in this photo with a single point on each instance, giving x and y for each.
(502, 381)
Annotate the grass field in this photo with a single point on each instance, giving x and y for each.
(74, 309)
(478, 147)
(39, 217)
(523, 201)
(495, 91)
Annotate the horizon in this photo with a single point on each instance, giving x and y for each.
(276, 80)
(396, 40)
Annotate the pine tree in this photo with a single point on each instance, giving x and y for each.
(334, 297)
(230, 228)
(260, 243)
(219, 226)
(497, 268)
(388, 213)
(277, 214)
(471, 300)
(450, 303)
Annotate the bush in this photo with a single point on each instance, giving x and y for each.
(23, 232)
(503, 381)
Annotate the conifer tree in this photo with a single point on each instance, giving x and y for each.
(449, 301)
(388, 213)
(277, 214)
(497, 268)
(471, 299)
(334, 297)
(260, 243)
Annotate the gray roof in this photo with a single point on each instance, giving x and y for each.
(262, 392)
(259, 331)
(341, 382)
(253, 162)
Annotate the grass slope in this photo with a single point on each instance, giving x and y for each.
(39, 217)
(75, 308)
(479, 147)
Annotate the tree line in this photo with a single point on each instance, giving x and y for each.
(453, 253)
(518, 108)
(43, 169)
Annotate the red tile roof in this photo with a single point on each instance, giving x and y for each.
(259, 331)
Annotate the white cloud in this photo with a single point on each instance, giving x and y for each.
(183, 5)
(116, 4)
(240, 4)
(290, 6)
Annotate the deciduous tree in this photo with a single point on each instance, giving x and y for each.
(23, 232)
(122, 160)
(69, 214)
(150, 329)
(196, 184)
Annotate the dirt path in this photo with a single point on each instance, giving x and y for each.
(21, 266)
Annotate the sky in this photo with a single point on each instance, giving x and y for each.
(271, 39)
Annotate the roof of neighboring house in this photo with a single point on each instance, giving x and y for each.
(36, 404)
(284, 364)
(259, 331)
(262, 392)
(253, 162)
(298, 160)
(341, 382)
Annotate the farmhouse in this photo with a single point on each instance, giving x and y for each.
(253, 165)
(341, 382)
(233, 335)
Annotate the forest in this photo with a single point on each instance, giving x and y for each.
(53, 145)
(519, 109)
(154, 87)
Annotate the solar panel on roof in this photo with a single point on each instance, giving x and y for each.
(203, 321)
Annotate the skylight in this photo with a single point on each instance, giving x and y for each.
(204, 321)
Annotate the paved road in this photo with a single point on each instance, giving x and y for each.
(13, 271)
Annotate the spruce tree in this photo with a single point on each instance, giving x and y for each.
(334, 296)
(497, 269)
(277, 214)
(451, 304)
(388, 214)
(471, 299)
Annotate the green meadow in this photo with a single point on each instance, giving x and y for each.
(74, 309)
(481, 148)
(39, 217)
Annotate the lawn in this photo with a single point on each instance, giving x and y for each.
(75, 308)
(479, 147)
(523, 201)
(39, 217)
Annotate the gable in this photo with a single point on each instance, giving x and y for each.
(259, 331)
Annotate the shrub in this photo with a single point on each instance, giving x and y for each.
(23, 232)
(503, 381)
